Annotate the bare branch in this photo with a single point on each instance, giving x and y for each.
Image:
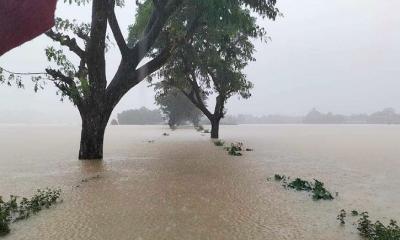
(112, 20)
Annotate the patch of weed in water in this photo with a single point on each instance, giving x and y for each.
(320, 192)
(374, 231)
(235, 149)
(342, 216)
(14, 210)
(317, 188)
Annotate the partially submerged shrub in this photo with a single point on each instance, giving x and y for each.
(354, 213)
(317, 188)
(165, 134)
(219, 143)
(319, 191)
(341, 216)
(14, 210)
(278, 177)
(235, 149)
(300, 185)
(374, 231)
(206, 131)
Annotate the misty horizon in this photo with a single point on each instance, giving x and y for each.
(315, 59)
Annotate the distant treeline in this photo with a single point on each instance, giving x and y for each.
(142, 116)
(145, 116)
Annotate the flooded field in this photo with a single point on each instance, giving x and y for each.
(183, 187)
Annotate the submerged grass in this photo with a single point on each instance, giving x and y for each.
(14, 210)
(317, 188)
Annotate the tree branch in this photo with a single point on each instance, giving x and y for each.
(116, 30)
(65, 40)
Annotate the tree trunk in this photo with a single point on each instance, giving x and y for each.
(92, 136)
(215, 128)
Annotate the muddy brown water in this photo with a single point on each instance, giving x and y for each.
(183, 187)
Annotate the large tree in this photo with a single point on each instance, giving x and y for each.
(161, 26)
(84, 81)
(212, 63)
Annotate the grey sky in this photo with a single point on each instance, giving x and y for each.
(338, 55)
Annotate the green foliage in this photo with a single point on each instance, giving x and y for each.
(377, 230)
(317, 188)
(319, 191)
(354, 213)
(342, 216)
(220, 46)
(235, 149)
(14, 210)
(279, 178)
(300, 185)
(10, 78)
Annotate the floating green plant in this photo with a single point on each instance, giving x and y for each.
(14, 210)
(278, 177)
(235, 149)
(354, 213)
(300, 185)
(342, 216)
(317, 188)
(219, 143)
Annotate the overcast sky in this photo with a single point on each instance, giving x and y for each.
(341, 56)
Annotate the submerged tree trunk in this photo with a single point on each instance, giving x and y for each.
(215, 128)
(92, 136)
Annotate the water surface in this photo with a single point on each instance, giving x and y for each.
(183, 187)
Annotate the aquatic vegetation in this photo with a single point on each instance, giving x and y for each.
(373, 231)
(165, 134)
(249, 149)
(300, 185)
(206, 131)
(341, 216)
(235, 149)
(14, 210)
(319, 191)
(354, 213)
(278, 177)
(317, 188)
(219, 143)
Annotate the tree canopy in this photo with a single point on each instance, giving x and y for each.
(213, 60)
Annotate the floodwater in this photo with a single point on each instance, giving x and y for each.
(183, 187)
